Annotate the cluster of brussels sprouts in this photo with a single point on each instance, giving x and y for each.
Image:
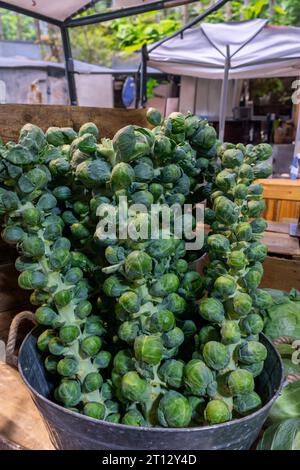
(233, 309)
(120, 314)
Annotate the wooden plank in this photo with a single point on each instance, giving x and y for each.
(278, 227)
(12, 295)
(281, 243)
(281, 189)
(20, 421)
(14, 116)
(283, 274)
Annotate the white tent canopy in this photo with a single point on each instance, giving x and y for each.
(248, 49)
(256, 50)
(55, 9)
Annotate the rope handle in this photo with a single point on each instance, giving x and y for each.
(287, 340)
(11, 357)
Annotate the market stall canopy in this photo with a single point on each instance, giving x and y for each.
(55, 9)
(256, 50)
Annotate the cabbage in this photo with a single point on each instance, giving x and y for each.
(287, 405)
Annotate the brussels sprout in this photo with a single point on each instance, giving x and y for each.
(102, 360)
(225, 180)
(162, 147)
(130, 302)
(240, 382)
(128, 331)
(83, 309)
(122, 176)
(92, 381)
(63, 297)
(258, 225)
(243, 231)
(171, 372)
(67, 367)
(33, 247)
(217, 412)
(262, 170)
(246, 173)
(73, 276)
(247, 403)
(216, 355)
(156, 190)
(204, 138)
(143, 171)
(218, 243)
(154, 117)
(262, 299)
(161, 321)
(90, 346)
(94, 326)
(143, 197)
(113, 287)
(32, 280)
(237, 260)
(230, 332)
(252, 324)
(69, 333)
(148, 349)
(133, 387)
(175, 303)
(212, 310)
(89, 128)
(45, 315)
(93, 173)
(56, 347)
(250, 352)
(51, 364)
(33, 179)
(167, 284)
(174, 410)
(232, 158)
(170, 173)
(255, 368)
(44, 339)
(69, 393)
(197, 377)
(256, 208)
(137, 265)
(13, 234)
(208, 333)
(191, 285)
(226, 211)
(225, 286)
(134, 418)
(252, 278)
(123, 362)
(173, 338)
(94, 410)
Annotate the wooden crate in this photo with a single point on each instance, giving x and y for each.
(282, 198)
(14, 116)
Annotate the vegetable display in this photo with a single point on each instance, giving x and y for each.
(124, 335)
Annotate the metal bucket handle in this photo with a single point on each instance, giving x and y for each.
(287, 340)
(11, 357)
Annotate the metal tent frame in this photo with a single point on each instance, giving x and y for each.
(72, 22)
(224, 92)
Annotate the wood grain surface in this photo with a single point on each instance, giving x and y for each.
(14, 116)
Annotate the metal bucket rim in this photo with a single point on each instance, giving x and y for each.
(154, 429)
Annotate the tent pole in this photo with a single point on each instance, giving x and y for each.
(69, 65)
(224, 94)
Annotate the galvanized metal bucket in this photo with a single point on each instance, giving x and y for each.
(72, 431)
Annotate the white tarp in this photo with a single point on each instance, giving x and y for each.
(56, 9)
(256, 50)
